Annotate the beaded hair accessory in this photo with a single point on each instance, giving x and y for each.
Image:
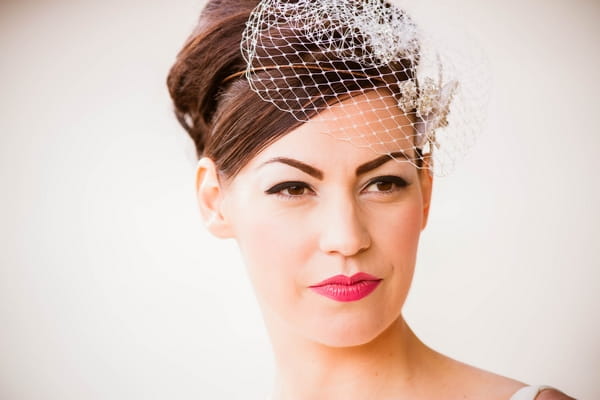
(391, 87)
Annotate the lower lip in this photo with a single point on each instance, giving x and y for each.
(347, 293)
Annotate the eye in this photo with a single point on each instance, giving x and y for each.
(290, 189)
(385, 184)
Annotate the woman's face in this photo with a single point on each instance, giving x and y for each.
(309, 207)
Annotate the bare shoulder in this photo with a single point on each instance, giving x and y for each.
(489, 385)
(553, 394)
(478, 383)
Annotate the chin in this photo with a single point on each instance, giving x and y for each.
(347, 332)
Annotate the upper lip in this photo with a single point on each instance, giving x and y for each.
(347, 280)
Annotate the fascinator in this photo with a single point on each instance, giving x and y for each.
(307, 57)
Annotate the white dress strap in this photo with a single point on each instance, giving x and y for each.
(529, 392)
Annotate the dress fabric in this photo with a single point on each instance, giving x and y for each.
(529, 392)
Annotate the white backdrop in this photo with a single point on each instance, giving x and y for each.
(111, 289)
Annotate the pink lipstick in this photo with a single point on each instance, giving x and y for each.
(344, 288)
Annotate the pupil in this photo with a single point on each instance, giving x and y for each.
(295, 190)
(384, 186)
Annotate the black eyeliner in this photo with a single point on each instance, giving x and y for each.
(285, 185)
(400, 182)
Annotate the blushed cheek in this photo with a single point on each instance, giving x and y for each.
(274, 253)
(400, 238)
(409, 229)
(399, 241)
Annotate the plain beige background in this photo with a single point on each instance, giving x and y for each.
(111, 289)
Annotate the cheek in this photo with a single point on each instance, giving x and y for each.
(398, 229)
(275, 248)
(396, 238)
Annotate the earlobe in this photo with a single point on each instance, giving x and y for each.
(210, 198)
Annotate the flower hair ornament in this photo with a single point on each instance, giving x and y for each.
(307, 57)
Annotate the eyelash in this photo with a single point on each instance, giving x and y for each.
(396, 180)
(281, 187)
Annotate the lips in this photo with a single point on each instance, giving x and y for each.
(343, 288)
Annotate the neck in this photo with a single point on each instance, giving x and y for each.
(390, 364)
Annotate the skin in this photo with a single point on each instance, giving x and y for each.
(329, 221)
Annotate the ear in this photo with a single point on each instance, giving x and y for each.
(210, 198)
(426, 181)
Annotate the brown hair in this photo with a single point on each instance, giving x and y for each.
(227, 121)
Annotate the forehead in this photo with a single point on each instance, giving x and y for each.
(370, 123)
(372, 119)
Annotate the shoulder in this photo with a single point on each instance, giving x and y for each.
(476, 383)
(552, 394)
(489, 385)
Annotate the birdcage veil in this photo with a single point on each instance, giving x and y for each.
(307, 57)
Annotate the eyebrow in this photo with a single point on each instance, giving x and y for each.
(317, 173)
(379, 161)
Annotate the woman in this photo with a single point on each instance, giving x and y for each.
(328, 224)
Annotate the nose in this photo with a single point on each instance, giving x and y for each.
(342, 230)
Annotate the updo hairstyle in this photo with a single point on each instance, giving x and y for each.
(227, 121)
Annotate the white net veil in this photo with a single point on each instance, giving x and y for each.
(388, 85)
